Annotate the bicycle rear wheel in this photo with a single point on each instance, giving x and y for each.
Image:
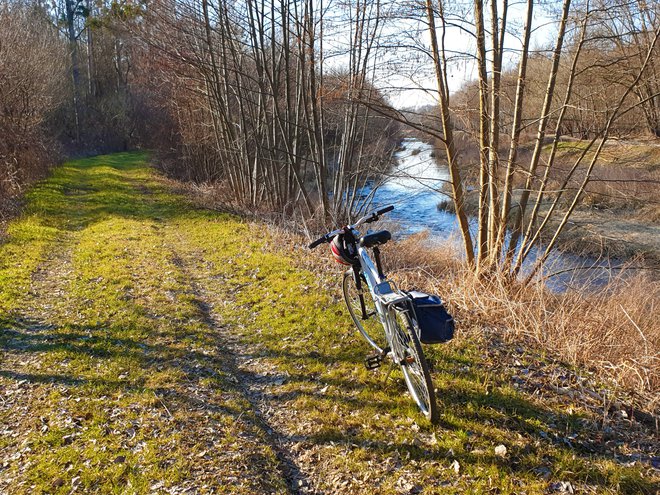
(410, 356)
(370, 327)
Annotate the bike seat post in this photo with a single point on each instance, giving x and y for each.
(379, 266)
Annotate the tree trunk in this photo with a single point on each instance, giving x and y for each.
(75, 68)
(448, 133)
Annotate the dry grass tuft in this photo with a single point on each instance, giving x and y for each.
(615, 332)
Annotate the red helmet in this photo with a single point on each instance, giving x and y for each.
(344, 253)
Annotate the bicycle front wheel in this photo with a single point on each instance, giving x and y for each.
(410, 356)
(368, 324)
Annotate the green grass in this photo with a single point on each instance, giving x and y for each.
(115, 295)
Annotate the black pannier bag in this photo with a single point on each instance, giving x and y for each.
(435, 323)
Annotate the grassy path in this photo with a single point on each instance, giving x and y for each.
(152, 347)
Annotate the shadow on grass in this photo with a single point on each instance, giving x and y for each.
(98, 342)
(201, 386)
(483, 418)
(511, 413)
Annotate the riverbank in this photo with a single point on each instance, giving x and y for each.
(622, 235)
(618, 217)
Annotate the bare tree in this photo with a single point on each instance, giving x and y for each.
(286, 133)
(30, 90)
(524, 213)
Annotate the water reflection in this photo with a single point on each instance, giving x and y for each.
(415, 187)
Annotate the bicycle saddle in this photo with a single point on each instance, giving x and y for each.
(375, 239)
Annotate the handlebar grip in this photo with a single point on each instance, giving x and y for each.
(385, 210)
(318, 241)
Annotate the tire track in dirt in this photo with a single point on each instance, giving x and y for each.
(42, 304)
(23, 381)
(253, 385)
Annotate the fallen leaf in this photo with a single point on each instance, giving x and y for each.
(561, 487)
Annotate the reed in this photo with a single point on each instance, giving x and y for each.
(614, 332)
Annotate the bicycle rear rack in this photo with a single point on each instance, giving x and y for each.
(387, 296)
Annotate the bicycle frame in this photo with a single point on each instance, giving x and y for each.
(369, 269)
(384, 296)
(403, 345)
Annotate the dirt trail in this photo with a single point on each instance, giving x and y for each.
(254, 382)
(112, 373)
(34, 325)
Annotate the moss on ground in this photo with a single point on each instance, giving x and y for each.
(123, 308)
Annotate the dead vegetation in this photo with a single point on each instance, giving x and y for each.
(615, 332)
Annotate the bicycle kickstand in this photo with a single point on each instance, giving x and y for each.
(389, 372)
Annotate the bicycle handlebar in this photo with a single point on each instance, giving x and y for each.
(382, 211)
(371, 217)
(318, 241)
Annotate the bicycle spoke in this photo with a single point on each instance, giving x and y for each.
(371, 328)
(413, 364)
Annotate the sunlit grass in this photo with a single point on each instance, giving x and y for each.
(131, 387)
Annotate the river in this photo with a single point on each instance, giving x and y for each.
(415, 186)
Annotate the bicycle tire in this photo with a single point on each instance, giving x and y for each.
(372, 328)
(408, 351)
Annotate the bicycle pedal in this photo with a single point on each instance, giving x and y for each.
(373, 362)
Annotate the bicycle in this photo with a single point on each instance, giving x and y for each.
(387, 318)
